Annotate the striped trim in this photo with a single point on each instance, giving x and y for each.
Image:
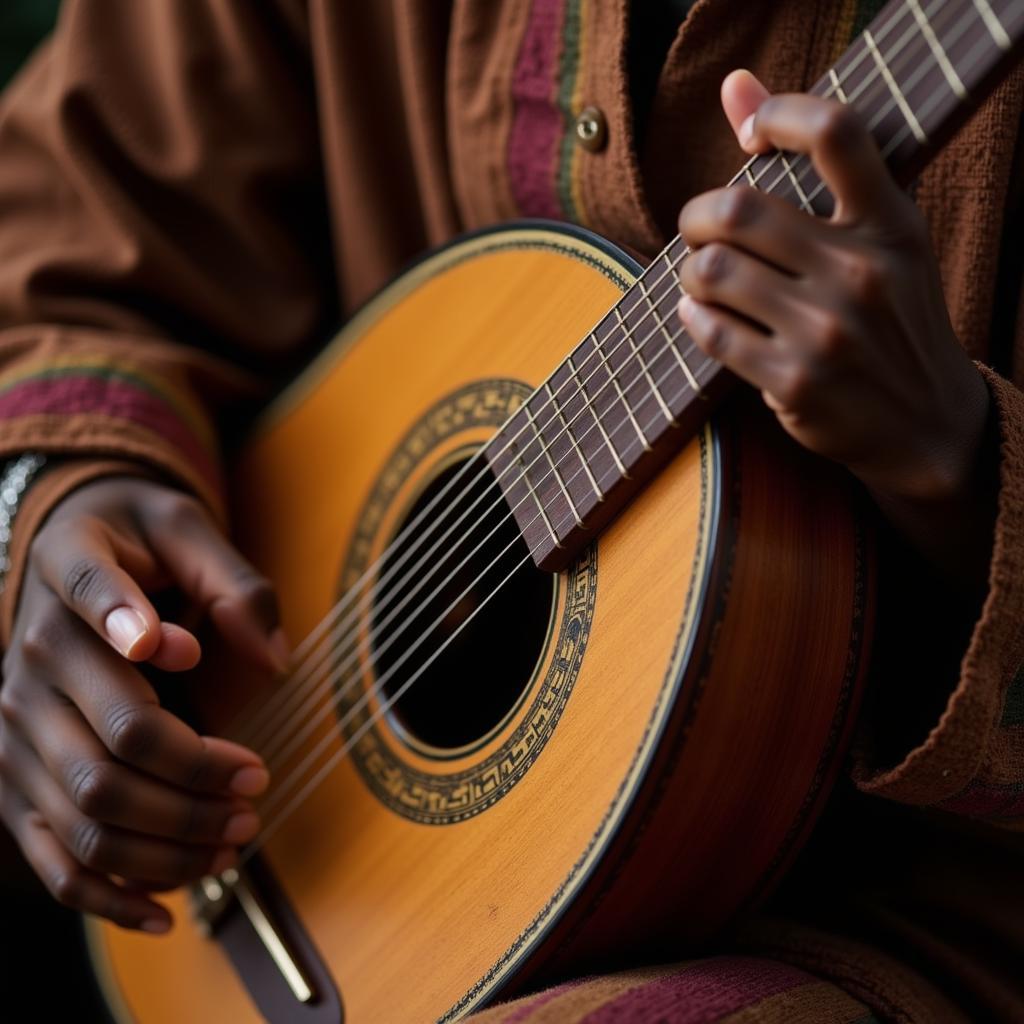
(133, 397)
(570, 103)
(543, 158)
(184, 405)
(723, 990)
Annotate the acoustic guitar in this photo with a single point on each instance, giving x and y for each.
(582, 648)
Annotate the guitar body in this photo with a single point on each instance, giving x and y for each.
(672, 708)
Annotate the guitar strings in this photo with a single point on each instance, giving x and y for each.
(313, 754)
(384, 624)
(266, 714)
(496, 527)
(314, 780)
(317, 683)
(409, 682)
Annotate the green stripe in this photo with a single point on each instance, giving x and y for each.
(867, 11)
(567, 86)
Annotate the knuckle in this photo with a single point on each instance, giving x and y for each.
(10, 704)
(795, 386)
(831, 335)
(257, 594)
(178, 511)
(737, 208)
(84, 581)
(65, 885)
(131, 732)
(91, 786)
(864, 280)
(42, 636)
(712, 263)
(90, 843)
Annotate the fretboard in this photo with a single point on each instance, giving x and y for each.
(635, 389)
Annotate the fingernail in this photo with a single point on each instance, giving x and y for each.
(125, 627)
(240, 828)
(223, 860)
(156, 926)
(249, 781)
(685, 308)
(281, 649)
(746, 132)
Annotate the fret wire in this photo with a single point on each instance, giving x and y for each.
(993, 24)
(872, 81)
(577, 376)
(690, 379)
(818, 190)
(959, 29)
(837, 86)
(936, 47)
(551, 463)
(596, 413)
(639, 355)
(618, 390)
(524, 477)
(804, 202)
(574, 443)
(901, 101)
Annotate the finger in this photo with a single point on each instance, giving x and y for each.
(178, 650)
(104, 849)
(210, 570)
(747, 351)
(764, 225)
(839, 145)
(123, 711)
(114, 794)
(78, 888)
(77, 561)
(730, 278)
(741, 94)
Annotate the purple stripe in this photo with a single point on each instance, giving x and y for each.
(70, 395)
(702, 993)
(537, 123)
(525, 1011)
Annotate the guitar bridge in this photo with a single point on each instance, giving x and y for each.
(248, 915)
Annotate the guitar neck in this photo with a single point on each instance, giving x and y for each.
(635, 388)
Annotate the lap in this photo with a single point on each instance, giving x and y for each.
(715, 990)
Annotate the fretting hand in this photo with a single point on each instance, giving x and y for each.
(110, 796)
(841, 323)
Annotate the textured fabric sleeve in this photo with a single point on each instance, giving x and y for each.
(972, 760)
(163, 248)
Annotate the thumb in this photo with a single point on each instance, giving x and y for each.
(211, 572)
(742, 94)
(78, 561)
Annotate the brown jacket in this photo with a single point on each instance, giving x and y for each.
(193, 192)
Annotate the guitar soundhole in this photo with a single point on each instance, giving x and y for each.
(483, 638)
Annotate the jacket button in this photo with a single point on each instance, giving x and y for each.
(591, 129)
